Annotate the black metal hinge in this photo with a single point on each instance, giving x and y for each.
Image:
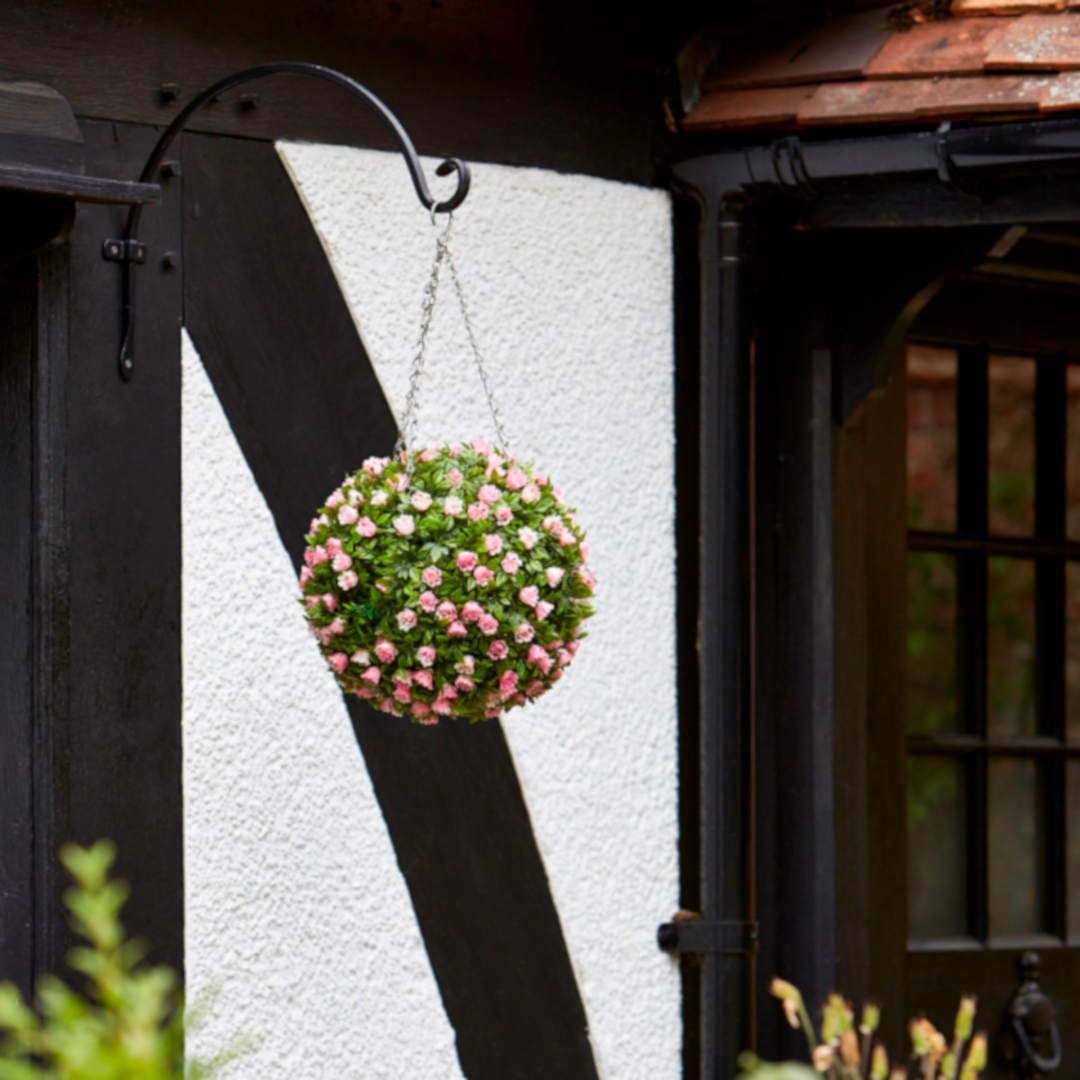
(687, 934)
(123, 251)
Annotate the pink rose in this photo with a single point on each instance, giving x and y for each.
(465, 561)
(385, 651)
(583, 547)
(493, 544)
(429, 601)
(336, 499)
(464, 683)
(314, 556)
(455, 478)
(511, 564)
(454, 449)
(347, 515)
(427, 454)
(457, 629)
(314, 526)
(515, 478)
(405, 524)
(452, 506)
(447, 692)
(527, 537)
(481, 447)
(338, 661)
(586, 575)
(477, 511)
(311, 602)
(401, 693)
(466, 665)
(529, 595)
(371, 675)
(406, 619)
(483, 575)
(554, 575)
(425, 655)
(507, 683)
(487, 624)
(306, 574)
(565, 656)
(333, 547)
(421, 501)
(537, 478)
(329, 601)
(424, 679)
(544, 609)
(355, 498)
(379, 498)
(402, 677)
(441, 706)
(524, 632)
(325, 635)
(567, 539)
(375, 465)
(360, 658)
(365, 527)
(348, 580)
(497, 650)
(431, 575)
(503, 515)
(530, 493)
(491, 714)
(554, 524)
(471, 611)
(364, 692)
(489, 494)
(401, 482)
(341, 562)
(446, 611)
(534, 689)
(337, 626)
(539, 656)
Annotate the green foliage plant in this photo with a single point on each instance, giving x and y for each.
(846, 1051)
(129, 1023)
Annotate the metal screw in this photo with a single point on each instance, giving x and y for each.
(168, 92)
(113, 249)
(170, 168)
(168, 260)
(127, 362)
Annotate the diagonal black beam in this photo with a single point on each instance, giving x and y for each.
(275, 335)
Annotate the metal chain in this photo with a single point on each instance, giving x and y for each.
(409, 421)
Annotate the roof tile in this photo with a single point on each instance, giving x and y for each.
(865, 102)
(774, 106)
(1038, 43)
(947, 47)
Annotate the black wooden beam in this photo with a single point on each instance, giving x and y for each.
(279, 344)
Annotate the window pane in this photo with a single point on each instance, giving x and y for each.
(937, 848)
(1072, 450)
(931, 642)
(1011, 446)
(1010, 646)
(1017, 847)
(931, 438)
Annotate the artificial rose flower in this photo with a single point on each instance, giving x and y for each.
(524, 631)
(360, 658)
(537, 478)
(511, 564)
(452, 506)
(402, 677)
(326, 635)
(421, 501)
(492, 713)
(457, 629)
(431, 575)
(366, 528)
(471, 611)
(464, 683)
(401, 482)
(347, 514)
(483, 575)
(454, 449)
(406, 619)
(333, 547)
(428, 601)
(446, 611)
(515, 478)
(425, 655)
(527, 537)
(455, 477)
(447, 691)
(306, 574)
(371, 675)
(379, 498)
(336, 499)
(544, 609)
(385, 651)
(441, 707)
(466, 665)
(583, 547)
(424, 679)
(493, 544)
(364, 692)
(530, 493)
(466, 561)
(341, 562)
(586, 575)
(338, 661)
(487, 624)
(375, 465)
(348, 580)
(337, 625)
(503, 515)
(554, 575)
(554, 524)
(529, 595)
(329, 601)
(498, 650)
(539, 656)
(481, 447)
(427, 454)
(311, 602)
(507, 683)
(535, 688)
(405, 524)
(477, 511)
(314, 526)
(355, 498)
(567, 539)
(489, 494)
(314, 556)
(401, 693)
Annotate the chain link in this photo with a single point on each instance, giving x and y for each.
(409, 421)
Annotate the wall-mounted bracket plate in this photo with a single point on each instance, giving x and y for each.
(699, 936)
(123, 251)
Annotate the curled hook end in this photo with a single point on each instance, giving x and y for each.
(464, 179)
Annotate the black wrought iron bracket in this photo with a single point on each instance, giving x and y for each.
(128, 250)
(696, 935)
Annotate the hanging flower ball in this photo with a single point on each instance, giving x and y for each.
(461, 591)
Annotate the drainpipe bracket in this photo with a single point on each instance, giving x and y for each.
(697, 935)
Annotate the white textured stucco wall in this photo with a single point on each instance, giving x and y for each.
(569, 280)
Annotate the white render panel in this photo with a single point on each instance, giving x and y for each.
(297, 915)
(569, 280)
